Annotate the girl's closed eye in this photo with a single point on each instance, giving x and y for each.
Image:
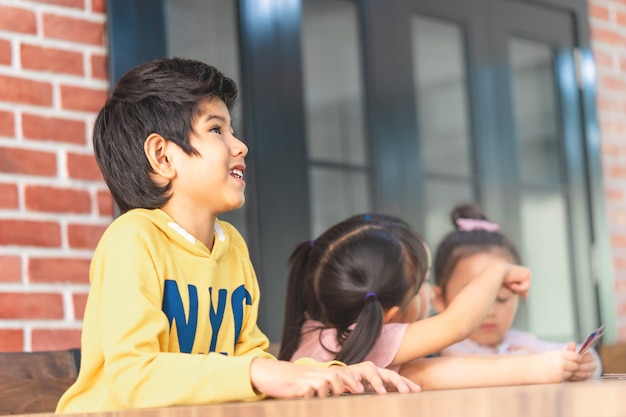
(502, 299)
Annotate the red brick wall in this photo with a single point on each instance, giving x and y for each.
(608, 41)
(53, 203)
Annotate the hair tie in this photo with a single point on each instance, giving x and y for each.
(370, 295)
(312, 243)
(368, 218)
(469, 225)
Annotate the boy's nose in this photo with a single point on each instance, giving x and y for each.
(239, 148)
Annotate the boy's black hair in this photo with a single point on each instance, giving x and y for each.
(350, 275)
(164, 97)
(459, 244)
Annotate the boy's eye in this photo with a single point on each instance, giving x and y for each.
(216, 129)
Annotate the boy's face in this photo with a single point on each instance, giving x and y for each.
(502, 312)
(212, 179)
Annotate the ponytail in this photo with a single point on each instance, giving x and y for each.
(297, 302)
(363, 336)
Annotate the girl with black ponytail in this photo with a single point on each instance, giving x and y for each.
(353, 295)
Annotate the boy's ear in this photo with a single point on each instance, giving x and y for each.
(156, 149)
(438, 302)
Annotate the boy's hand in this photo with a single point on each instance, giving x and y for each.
(282, 379)
(517, 279)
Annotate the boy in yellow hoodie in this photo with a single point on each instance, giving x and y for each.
(171, 317)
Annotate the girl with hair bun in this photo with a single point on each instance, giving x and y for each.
(473, 245)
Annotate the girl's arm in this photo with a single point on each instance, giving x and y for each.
(449, 372)
(466, 311)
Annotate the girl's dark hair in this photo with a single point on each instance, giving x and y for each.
(350, 275)
(460, 244)
(162, 96)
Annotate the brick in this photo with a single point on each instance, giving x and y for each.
(80, 301)
(83, 167)
(598, 11)
(7, 124)
(44, 306)
(603, 59)
(617, 127)
(74, 4)
(99, 67)
(30, 162)
(56, 199)
(54, 129)
(622, 64)
(83, 99)
(610, 149)
(13, 19)
(8, 196)
(620, 263)
(98, 6)
(73, 29)
(83, 236)
(618, 241)
(618, 218)
(5, 52)
(607, 104)
(10, 268)
(20, 90)
(11, 340)
(614, 194)
(30, 233)
(44, 270)
(616, 172)
(55, 339)
(620, 19)
(612, 83)
(607, 36)
(105, 203)
(51, 60)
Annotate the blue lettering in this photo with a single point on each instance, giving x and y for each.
(237, 299)
(175, 311)
(216, 317)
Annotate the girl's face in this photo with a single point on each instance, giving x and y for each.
(502, 312)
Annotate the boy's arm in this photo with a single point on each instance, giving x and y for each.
(449, 372)
(463, 314)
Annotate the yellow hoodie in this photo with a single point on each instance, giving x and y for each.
(167, 321)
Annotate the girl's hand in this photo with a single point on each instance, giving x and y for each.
(280, 379)
(376, 379)
(554, 366)
(517, 279)
(586, 368)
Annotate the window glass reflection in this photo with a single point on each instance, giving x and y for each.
(535, 111)
(332, 81)
(345, 194)
(334, 106)
(441, 92)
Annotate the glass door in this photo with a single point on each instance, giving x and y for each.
(495, 118)
(543, 167)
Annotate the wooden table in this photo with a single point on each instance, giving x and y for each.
(600, 398)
